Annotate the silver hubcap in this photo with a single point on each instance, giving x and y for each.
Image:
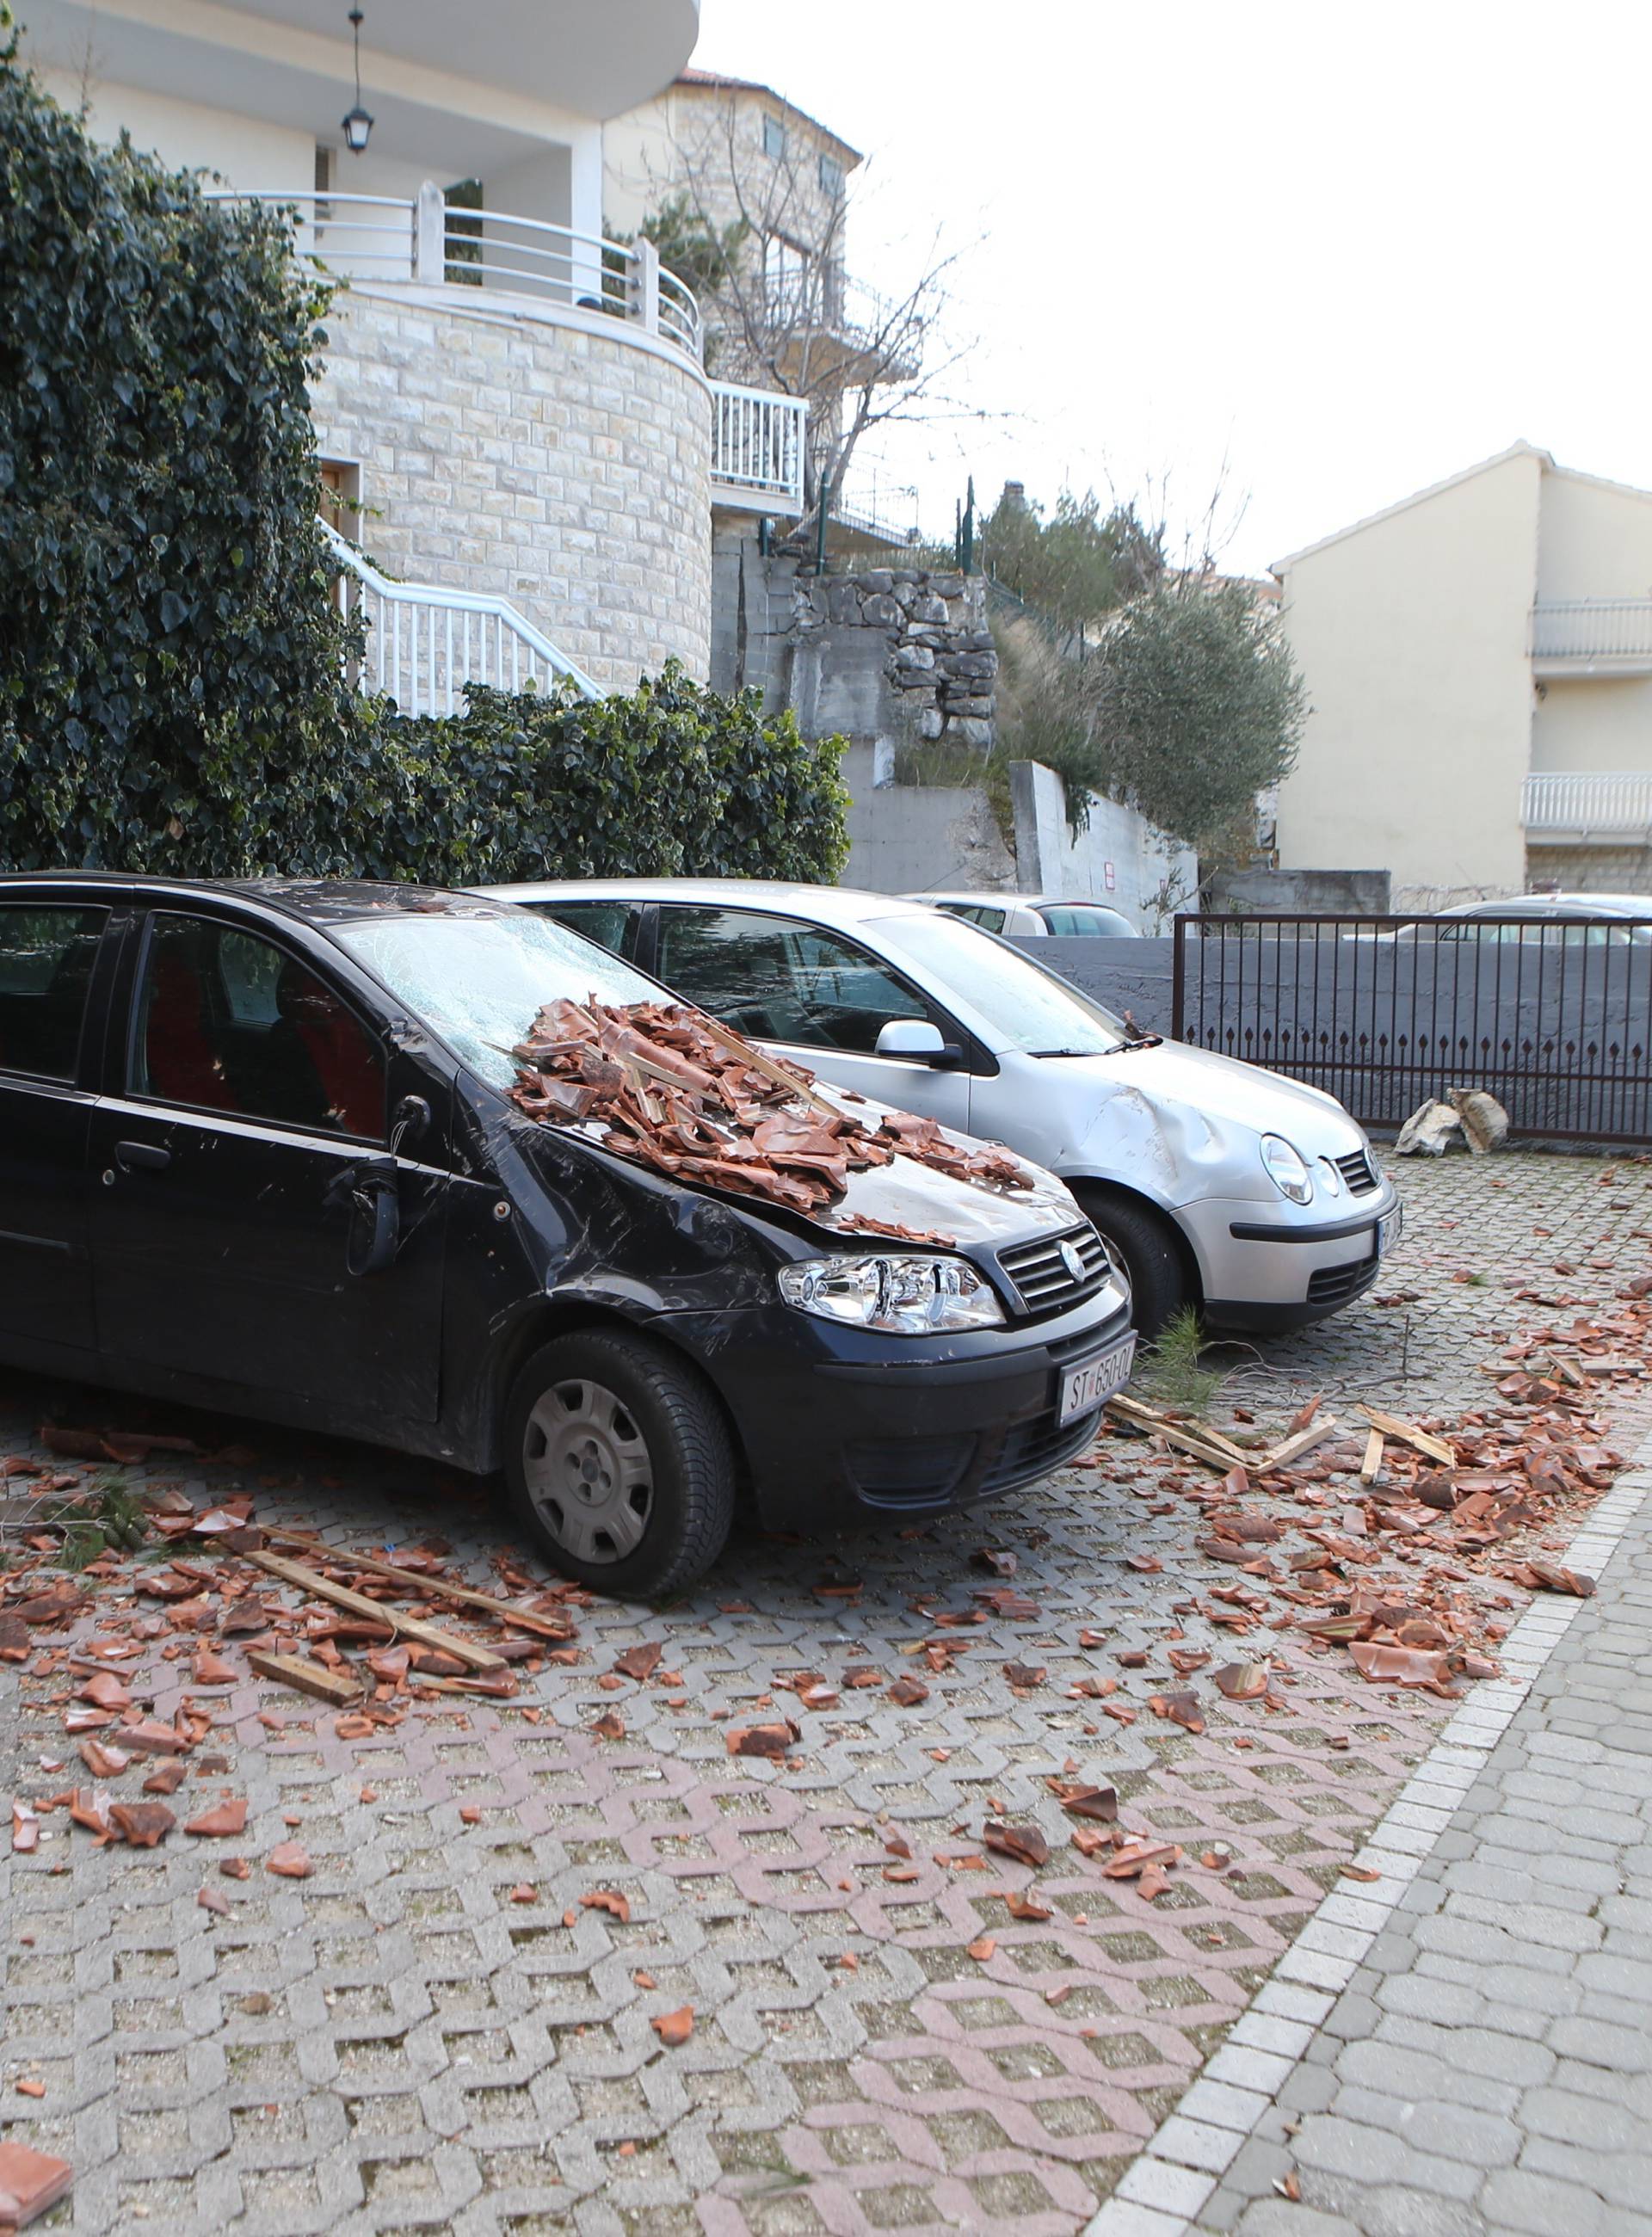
(587, 1470)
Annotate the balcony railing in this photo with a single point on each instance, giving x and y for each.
(428, 240)
(757, 448)
(1615, 630)
(425, 643)
(1589, 804)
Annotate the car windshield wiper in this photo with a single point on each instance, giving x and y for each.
(1140, 1041)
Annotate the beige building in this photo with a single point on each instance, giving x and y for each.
(734, 157)
(1479, 662)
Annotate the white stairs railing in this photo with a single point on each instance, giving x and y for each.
(1591, 803)
(425, 643)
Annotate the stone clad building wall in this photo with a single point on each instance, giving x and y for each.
(562, 467)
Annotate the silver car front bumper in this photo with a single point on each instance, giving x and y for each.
(1267, 1267)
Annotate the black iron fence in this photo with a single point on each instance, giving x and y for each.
(1553, 1016)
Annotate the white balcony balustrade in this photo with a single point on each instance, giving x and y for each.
(1571, 636)
(426, 643)
(756, 449)
(1589, 804)
(427, 241)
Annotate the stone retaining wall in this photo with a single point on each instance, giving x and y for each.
(561, 466)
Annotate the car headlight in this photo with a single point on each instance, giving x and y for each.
(903, 1297)
(1285, 1168)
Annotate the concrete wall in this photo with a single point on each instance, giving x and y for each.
(1411, 633)
(1595, 538)
(1294, 892)
(1124, 974)
(1119, 857)
(190, 135)
(1592, 723)
(1624, 867)
(910, 838)
(566, 465)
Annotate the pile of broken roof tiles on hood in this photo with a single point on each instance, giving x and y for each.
(676, 1090)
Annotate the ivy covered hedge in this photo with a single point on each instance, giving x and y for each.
(171, 664)
(673, 779)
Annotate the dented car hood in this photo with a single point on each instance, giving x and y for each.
(1183, 1122)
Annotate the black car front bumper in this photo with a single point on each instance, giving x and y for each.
(841, 1427)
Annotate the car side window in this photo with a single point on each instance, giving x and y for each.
(612, 925)
(779, 979)
(46, 958)
(226, 1020)
(1086, 923)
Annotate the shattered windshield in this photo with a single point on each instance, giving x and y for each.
(479, 980)
(1029, 1007)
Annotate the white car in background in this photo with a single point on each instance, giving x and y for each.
(1221, 1186)
(1035, 916)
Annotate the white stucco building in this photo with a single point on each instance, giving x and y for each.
(1479, 662)
(513, 414)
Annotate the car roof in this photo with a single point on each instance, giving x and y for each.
(320, 900)
(841, 905)
(1019, 900)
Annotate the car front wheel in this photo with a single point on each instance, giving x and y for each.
(1159, 1284)
(619, 1463)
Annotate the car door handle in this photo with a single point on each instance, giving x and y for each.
(141, 1157)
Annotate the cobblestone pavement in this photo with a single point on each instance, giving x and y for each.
(394, 2043)
(1488, 2067)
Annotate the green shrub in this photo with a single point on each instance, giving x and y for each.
(171, 693)
(672, 779)
(170, 662)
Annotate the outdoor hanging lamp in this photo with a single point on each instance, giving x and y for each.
(356, 121)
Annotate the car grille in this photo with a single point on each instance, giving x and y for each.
(1043, 1281)
(1332, 1285)
(1356, 1174)
(1032, 1448)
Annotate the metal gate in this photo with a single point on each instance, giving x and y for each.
(1553, 1015)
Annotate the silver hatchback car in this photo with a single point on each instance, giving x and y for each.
(1252, 1197)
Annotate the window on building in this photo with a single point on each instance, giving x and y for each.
(787, 275)
(831, 176)
(773, 137)
(340, 505)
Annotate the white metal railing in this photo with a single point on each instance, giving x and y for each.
(1592, 628)
(425, 643)
(1592, 802)
(436, 242)
(758, 446)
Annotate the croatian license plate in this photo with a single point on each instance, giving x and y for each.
(1390, 1228)
(1092, 1381)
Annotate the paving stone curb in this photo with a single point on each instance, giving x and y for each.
(1168, 2184)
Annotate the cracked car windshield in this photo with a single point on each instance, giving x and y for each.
(481, 979)
(1030, 1010)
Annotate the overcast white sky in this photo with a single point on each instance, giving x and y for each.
(1334, 250)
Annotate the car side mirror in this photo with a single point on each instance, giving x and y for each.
(409, 1123)
(916, 1037)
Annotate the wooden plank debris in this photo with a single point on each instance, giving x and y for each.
(1371, 1467)
(1292, 1449)
(558, 1629)
(410, 1626)
(1206, 1445)
(305, 1677)
(1392, 1425)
